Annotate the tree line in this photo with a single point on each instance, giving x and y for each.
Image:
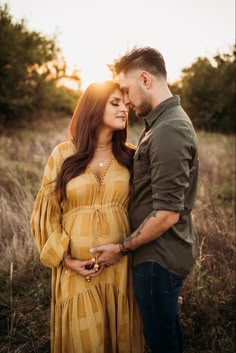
(31, 65)
(208, 91)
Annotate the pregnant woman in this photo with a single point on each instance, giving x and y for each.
(82, 204)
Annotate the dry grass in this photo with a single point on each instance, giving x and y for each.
(24, 308)
(207, 311)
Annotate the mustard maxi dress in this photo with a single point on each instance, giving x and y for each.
(100, 316)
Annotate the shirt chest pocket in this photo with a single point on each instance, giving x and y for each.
(141, 165)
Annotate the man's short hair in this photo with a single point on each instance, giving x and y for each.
(148, 59)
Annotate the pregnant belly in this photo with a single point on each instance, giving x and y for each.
(95, 230)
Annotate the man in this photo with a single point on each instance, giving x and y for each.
(164, 242)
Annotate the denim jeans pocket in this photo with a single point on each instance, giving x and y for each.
(142, 281)
(175, 280)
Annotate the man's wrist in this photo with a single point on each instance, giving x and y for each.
(124, 250)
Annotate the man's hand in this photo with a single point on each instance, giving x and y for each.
(110, 254)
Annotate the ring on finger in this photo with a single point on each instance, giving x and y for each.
(96, 267)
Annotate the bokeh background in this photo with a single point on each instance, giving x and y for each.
(50, 51)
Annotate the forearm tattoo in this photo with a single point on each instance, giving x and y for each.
(138, 231)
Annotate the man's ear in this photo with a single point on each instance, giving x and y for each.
(146, 79)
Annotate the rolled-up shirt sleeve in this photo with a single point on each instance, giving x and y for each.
(171, 155)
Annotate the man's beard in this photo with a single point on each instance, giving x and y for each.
(145, 106)
(144, 109)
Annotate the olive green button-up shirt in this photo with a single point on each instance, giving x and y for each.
(165, 175)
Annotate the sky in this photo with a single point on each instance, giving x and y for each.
(92, 33)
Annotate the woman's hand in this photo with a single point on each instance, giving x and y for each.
(87, 268)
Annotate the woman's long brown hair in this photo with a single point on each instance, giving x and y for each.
(84, 128)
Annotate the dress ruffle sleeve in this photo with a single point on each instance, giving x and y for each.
(51, 239)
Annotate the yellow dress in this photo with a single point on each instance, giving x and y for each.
(100, 316)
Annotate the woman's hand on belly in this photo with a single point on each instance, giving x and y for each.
(84, 268)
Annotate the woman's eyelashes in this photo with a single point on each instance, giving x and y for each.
(115, 103)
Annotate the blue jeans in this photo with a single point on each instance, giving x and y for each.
(157, 292)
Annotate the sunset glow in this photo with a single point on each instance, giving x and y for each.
(92, 33)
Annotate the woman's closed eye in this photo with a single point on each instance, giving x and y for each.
(115, 104)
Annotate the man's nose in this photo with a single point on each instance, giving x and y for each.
(126, 100)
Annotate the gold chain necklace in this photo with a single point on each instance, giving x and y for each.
(104, 147)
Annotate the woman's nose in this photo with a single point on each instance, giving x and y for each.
(124, 108)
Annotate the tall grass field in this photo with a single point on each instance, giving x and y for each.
(208, 308)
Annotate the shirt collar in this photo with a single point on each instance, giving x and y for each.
(159, 109)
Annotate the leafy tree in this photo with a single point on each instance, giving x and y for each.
(207, 90)
(30, 66)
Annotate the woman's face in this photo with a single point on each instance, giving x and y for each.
(115, 114)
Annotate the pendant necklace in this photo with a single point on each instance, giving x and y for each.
(103, 149)
(101, 164)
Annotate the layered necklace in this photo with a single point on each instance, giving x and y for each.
(103, 148)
